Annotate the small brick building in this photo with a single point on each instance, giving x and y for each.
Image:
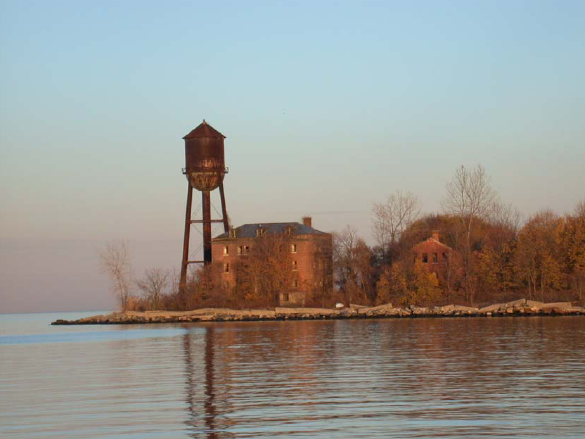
(434, 255)
(309, 254)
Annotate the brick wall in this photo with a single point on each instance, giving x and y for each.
(313, 257)
(434, 256)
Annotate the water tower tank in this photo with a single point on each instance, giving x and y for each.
(204, 157)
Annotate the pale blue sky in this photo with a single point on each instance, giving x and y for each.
(327, 107)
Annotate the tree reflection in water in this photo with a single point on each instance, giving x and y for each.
(386, 378)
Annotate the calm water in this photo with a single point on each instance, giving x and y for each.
(411, 378)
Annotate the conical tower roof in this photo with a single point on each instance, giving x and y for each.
(204, 130)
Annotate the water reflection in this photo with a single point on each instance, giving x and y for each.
(513, 377)
(401, 378)
(208, 414)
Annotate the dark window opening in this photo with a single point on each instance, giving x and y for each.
(435, 258)
(425, 258)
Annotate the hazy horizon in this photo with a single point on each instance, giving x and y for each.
(327, 107)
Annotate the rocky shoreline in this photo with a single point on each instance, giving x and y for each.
(521, 307)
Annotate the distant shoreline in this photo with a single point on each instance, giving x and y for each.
(521, 307)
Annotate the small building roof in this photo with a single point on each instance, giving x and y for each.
(431, 242)
(204, 130)
(251, 230)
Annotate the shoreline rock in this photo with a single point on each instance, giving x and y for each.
(521, 307)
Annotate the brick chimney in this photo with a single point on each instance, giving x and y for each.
(435, 235)
(307, 221)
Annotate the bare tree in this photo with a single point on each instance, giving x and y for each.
(469, 197)
(392, 217)
(506, 216)
(580, 209)
(115, 262)
(352, 262)
(344, 244)
(153, 285)
(267, 271)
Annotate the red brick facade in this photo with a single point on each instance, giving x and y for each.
(309, 253)
(435, 256)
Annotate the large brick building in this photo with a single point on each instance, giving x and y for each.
(308, 254)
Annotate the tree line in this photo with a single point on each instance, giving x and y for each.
(496, 257)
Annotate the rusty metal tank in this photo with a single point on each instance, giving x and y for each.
(204, 157)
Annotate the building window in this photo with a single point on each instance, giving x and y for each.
(226, 268)
(247, 249)
(232, 233)
(226, 250)
(425, 258)
(445, 257)
(295, 283)
(260, 231)
(285, 297)
(435, 258)
(293, 248)
(240, 249)
(294, 265)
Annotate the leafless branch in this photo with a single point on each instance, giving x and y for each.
(115, 262)
(394, 216)
(469, 197)
(153, 285)
(469, 194)
(505, 215)
(580, 209)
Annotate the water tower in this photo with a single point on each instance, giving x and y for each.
(205, 170)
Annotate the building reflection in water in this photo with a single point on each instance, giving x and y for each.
(275, 359)
(434, 377)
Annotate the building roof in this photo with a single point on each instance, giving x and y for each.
(432, 241)
(250, 230)
(204, 130)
